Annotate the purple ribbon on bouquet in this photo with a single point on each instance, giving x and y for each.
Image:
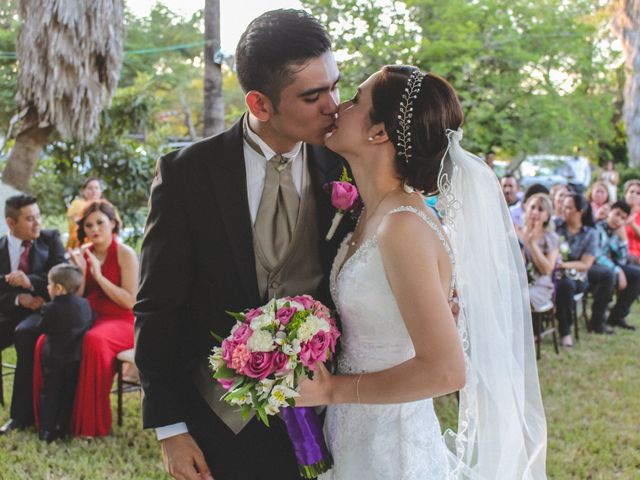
(305, 431)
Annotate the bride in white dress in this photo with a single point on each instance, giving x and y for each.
(393, 280)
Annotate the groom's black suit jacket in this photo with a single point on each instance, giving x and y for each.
(197, 262)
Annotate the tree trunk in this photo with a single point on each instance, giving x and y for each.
(627, 26)
(213, 102)
(25, 153)
(186, 111)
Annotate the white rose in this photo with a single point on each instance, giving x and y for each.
(260, 341)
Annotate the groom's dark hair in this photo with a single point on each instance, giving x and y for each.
(273, 45)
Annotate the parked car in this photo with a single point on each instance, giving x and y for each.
(545, 169)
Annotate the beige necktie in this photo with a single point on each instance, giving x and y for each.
(278, 210)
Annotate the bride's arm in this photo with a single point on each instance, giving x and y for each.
(411, 254)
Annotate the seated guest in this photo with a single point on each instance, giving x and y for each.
(64, 322)
(111, 281)
(558, 193)
(611, 270)
(510, 190)
(598, 206)
(541, 247)
(27, 253)
(578, 246)
(632, 197)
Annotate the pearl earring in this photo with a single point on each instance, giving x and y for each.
(370, 139)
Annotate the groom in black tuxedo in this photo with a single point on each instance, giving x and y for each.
(235, 220)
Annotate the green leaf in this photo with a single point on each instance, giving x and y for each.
(224, 372)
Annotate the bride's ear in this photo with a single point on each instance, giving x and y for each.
(378, 134)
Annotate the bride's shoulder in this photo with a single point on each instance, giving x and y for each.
(408, 226)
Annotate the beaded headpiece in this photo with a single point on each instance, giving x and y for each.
(406, 113)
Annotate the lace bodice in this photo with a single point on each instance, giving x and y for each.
(360, 290)
(399, 441)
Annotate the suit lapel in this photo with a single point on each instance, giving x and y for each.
(38, 256)
(324, 167)
(5, 262)
(229, 179)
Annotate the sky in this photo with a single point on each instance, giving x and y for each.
(235, 15)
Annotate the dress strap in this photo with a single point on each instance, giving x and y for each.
(439, 233)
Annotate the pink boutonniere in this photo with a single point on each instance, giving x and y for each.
(344, 196)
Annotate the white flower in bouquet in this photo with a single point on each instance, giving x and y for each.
(215, 360)
(281, 338)
(292, 348)
(261, 341)
(312, 326)
(280, 394)
(263, 321)
(240, 401)
(263, 388)
(290, 379)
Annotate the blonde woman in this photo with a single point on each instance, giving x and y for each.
(541, 248)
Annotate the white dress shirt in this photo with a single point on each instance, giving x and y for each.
(256, 168)
(15, 250)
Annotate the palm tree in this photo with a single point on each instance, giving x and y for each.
(627, 25)
(213, 102)
(69, 55)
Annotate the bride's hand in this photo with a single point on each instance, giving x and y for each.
(317, 391)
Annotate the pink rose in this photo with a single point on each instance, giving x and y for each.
(334, 333)
(227, 349)
(343, 195)
(321, 310)
(315, 349)
(251, 314)
(226, 383)
(305, 300)
(285, 314)
(278, 361)
(242, 333)
(259, 365)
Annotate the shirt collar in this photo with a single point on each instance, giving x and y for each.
(266, 149)
(15, 242)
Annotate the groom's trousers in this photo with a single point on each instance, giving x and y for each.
(256, 453)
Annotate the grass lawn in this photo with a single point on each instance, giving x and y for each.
(591, 395)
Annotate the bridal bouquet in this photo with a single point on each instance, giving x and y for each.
(260, 364)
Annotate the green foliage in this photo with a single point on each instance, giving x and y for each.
(532, 76)
(124, 163)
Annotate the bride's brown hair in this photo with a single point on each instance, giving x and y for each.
(435, 109)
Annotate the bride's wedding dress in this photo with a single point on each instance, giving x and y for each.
(397, 441)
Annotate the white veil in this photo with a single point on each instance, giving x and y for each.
(501, 423)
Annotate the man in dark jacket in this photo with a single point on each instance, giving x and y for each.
(27, 253)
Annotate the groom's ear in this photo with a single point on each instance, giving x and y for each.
(259, 105)
(378, 134)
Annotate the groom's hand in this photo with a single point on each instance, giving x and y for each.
(183, 459)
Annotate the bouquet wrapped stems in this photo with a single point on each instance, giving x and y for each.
(305, 431)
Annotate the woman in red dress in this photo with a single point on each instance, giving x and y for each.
(111, 283)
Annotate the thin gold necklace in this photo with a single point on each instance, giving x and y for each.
(353, 242)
